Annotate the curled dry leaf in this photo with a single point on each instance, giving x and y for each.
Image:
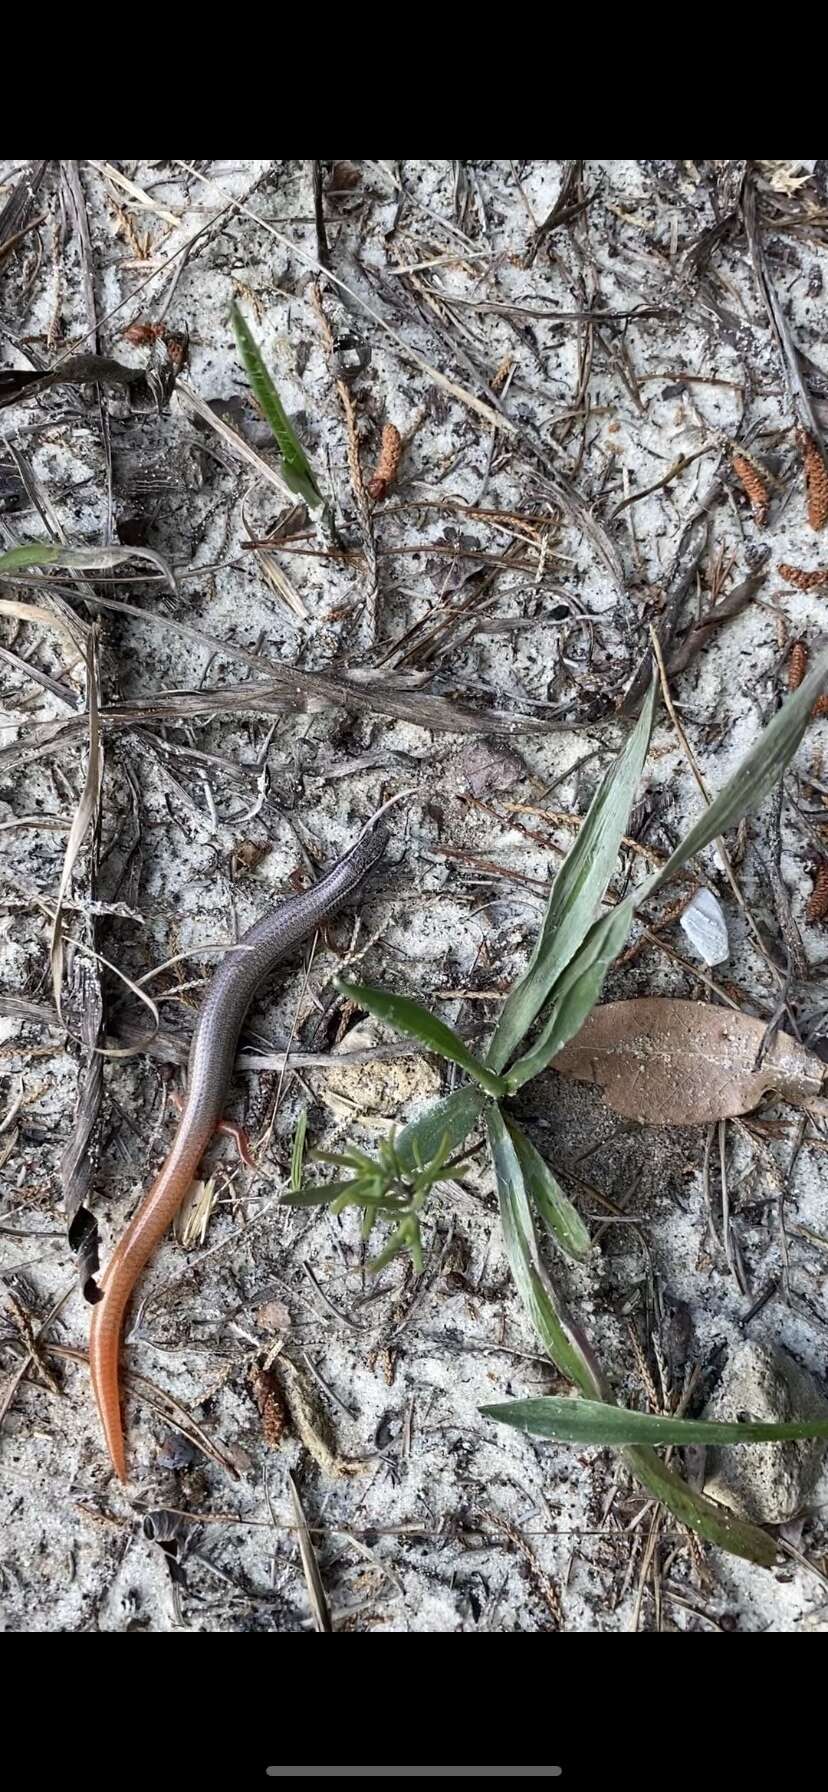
(674, 1063)
(311, 1423)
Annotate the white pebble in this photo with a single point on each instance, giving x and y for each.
(706, 928)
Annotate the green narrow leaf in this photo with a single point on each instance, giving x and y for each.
(579, 988)
(576, 1421)
(555, 1209)
(445, 1125)
(700, 1514)
(578, 991)
(448, 1122)
(754, 778)
(547, 1311)
(295, 465)
(568, 1347)
(577, 890)
(86, 559)
(408, 1017)
(297, 1158)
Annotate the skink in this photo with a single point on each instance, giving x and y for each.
(212, 1056)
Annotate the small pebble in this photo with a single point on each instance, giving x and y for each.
(706, 928)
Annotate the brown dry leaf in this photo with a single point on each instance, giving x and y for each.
(673, 1063)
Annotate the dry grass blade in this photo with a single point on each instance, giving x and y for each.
(137, 193)
(85, 994)
(34, 1341)
(86, 815)
(310, 1565)
(235, 442)
(17, 1007)
(85, 559)
(799, 394)
(276, 578)
(686, 563)
(15, 213)
(568, 203)
(701, 633)
(493, 418)
(166, 1405)
(142, 383)
(363, 508)
(561, 489)
(9, 606)
(293, 690)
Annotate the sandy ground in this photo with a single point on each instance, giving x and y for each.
(426, 1517)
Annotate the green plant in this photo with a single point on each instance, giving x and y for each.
(558, 990)
(296, 469)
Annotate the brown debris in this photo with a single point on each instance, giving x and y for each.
(270, 1401)
(817, 907)
(816, 479)
(797, 664)
(797, 667)
(143, 335)
(754, 485)
(388, 463)
(804, 581)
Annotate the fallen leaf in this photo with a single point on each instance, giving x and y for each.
(673, 1063)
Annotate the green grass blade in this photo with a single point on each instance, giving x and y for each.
(295, 465)
(568, 1347)
(544, 1191)
(754, 778)
(577, 991)
(548, 1313)
(408, 1017)
(444, 1126)
(577, 890)
(575, 1421)
(699, 1514)
(579, 988)
(85, 559)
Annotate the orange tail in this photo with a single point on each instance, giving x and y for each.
(104, 1347)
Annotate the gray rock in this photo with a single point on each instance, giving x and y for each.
(769, 1483)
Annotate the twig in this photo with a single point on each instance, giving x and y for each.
(310, 1565)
